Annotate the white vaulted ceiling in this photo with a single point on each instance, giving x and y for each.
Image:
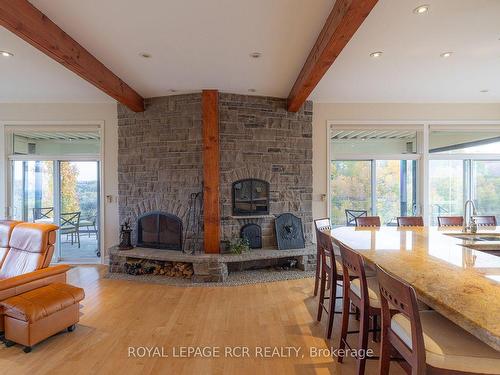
(411, 68)
(194, 44)
(198, 44)
(31, 76)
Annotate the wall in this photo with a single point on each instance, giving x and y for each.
(260, 139)
(160, 159)
(80, 112)
(379, 112)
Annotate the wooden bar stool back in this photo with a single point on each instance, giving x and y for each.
(363, 293)
(330, 276)
(368, 221)
(485, 220)
(410, 221)
(428, 343)
(450, 221)
(396, 297)
(319, 225)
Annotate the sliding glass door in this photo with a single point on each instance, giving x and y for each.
(386, 188)
(79, 209)
(447, 188)
(55, 178)
(33, 191)
(351, 182)
(485, 186)
(65, 193)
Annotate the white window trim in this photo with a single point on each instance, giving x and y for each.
(6, 130)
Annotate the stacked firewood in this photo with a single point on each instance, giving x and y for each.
(149, 267)
(175, 269)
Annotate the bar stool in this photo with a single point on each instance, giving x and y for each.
(319, 224)
(330, 276)
(368, 221)
(410, 221)
(450, 221)
(485, 220)
(362, 292)
(428, 342)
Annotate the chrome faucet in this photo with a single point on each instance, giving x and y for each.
(468, 219)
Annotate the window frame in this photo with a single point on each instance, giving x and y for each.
(423, 154)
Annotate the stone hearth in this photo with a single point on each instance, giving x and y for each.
(213, 267)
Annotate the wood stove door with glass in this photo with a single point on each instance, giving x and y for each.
(250, 197)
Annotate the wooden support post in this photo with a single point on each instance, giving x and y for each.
(211, 207)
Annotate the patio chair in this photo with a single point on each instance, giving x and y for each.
(90, 224)
(70, 226)
(43, 215)
(351, 216)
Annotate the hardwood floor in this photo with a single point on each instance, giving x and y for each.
(120, 314)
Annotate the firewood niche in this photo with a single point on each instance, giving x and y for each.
(162, 268)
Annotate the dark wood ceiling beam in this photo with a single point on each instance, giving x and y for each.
(345, 18)
(31, 25)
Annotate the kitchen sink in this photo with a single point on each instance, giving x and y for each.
(488, 242)
(490, 237)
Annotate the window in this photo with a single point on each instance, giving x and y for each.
(384, 183)
(395, 189)
(446, 188)
(351, 188)
(486, 186)
(463, 167)
(464, 142)
(413, 169)
(55, 143)
(381, 187)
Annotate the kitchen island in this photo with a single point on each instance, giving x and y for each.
(446, 268)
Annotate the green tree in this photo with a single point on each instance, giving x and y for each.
(70, 201)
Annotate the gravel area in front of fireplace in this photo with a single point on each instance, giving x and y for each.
(234, 278)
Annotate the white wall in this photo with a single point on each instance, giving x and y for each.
(322, 112)
(106, 112)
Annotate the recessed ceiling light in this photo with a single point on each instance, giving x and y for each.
(421, 9)
(252, 90)
(446, 54)
(255, 55)
(376, 54)
(485, 90)
(6, 54)
(145, 55)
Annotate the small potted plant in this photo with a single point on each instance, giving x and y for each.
(239, 246)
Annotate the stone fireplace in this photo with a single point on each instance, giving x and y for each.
(265, 160)
(159, 230)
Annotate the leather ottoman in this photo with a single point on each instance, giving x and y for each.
(40, 313)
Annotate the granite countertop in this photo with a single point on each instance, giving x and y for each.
(461, 283)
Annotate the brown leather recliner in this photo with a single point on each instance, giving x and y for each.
(6, 227)
(26, 260)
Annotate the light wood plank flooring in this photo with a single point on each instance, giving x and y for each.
(118, 314)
